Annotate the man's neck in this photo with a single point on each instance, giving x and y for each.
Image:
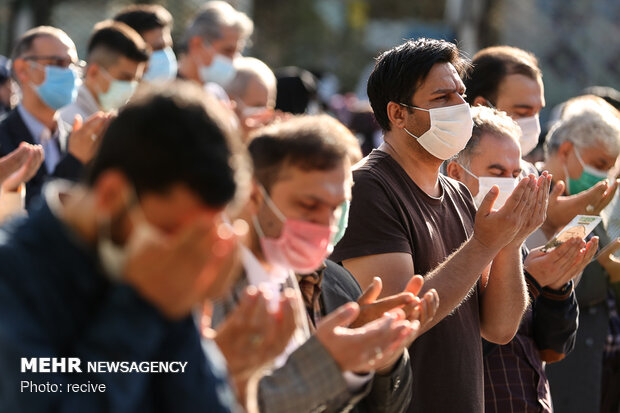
(188, 69)
(40, 111)
(93, 91)
(421, 167)
(555, 167)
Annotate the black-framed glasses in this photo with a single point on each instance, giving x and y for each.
(59, 61)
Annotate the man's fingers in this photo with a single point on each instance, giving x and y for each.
(565, 249)
(522, 189)
(557, 190)
(372, 292)
(489, 200)
(610, 249)
(342, 317)
(415, 285)
(77, 122)
(395, 301)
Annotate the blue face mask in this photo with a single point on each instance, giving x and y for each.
(221, 71)
(162, 66)
(343, 222)
(59, 87)
(589, 177)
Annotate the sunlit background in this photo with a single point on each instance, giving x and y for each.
(576, 41)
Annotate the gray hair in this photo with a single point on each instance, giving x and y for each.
(212, 17)
(249, 68)
(487, 121)
(585, 128)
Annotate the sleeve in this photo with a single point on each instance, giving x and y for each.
(104, 338)
(69, 168)
(309, 381)
(556, 316)
(390, 393)
(376, 222)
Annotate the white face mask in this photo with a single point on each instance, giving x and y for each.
(485, 183)
(221, 71)
(450, 130)
(530, 131)
(113, 257)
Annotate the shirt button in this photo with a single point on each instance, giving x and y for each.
(589, 341)
(396, 384)
(592, 310)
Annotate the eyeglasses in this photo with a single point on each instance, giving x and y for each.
(59, 61)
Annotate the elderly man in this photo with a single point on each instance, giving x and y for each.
(253, 89)
(216, 36)
(547, 333)
(509, 79)
(582, 150)
(302, 174)
(44, 65)
(117, 56)
(154, 23)
(407, 218)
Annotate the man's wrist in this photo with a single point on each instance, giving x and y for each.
(558, 293)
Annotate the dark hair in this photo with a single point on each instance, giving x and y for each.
(172, 133)
(491, 65)
(316, 142)
(24, 43)
(296, 88)
(119, 39)
(402, 69)
(145, 17)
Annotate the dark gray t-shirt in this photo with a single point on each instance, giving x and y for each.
(390, 213)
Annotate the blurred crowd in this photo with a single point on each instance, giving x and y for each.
(301, 249)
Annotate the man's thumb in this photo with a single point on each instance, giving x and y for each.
(557, 190)
(489, 200)
(342, 317)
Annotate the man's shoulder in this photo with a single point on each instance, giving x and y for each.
(338, 286)
(12, 131)
(456, 189)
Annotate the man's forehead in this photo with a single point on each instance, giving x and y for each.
(441, 76)
(49, 44)
(500, 152)
(319, 182)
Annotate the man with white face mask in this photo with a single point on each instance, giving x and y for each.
(407, 218)
(217, 34)
(547, 333)
(302, 174)
(117, 56)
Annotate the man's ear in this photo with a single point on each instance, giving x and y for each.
(92, 71)
(480, 101)
(20, 67)
(396, 114)
(112, 193)
(565, 149)
(256, 197)
(453, 170)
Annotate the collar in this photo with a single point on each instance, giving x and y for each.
(86, 101)
(316, 277)
(39, 131)
(257, 274)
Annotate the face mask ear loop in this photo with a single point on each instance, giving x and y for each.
(271, 204)
(412, 107)
(468, 171)
(490, 104)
